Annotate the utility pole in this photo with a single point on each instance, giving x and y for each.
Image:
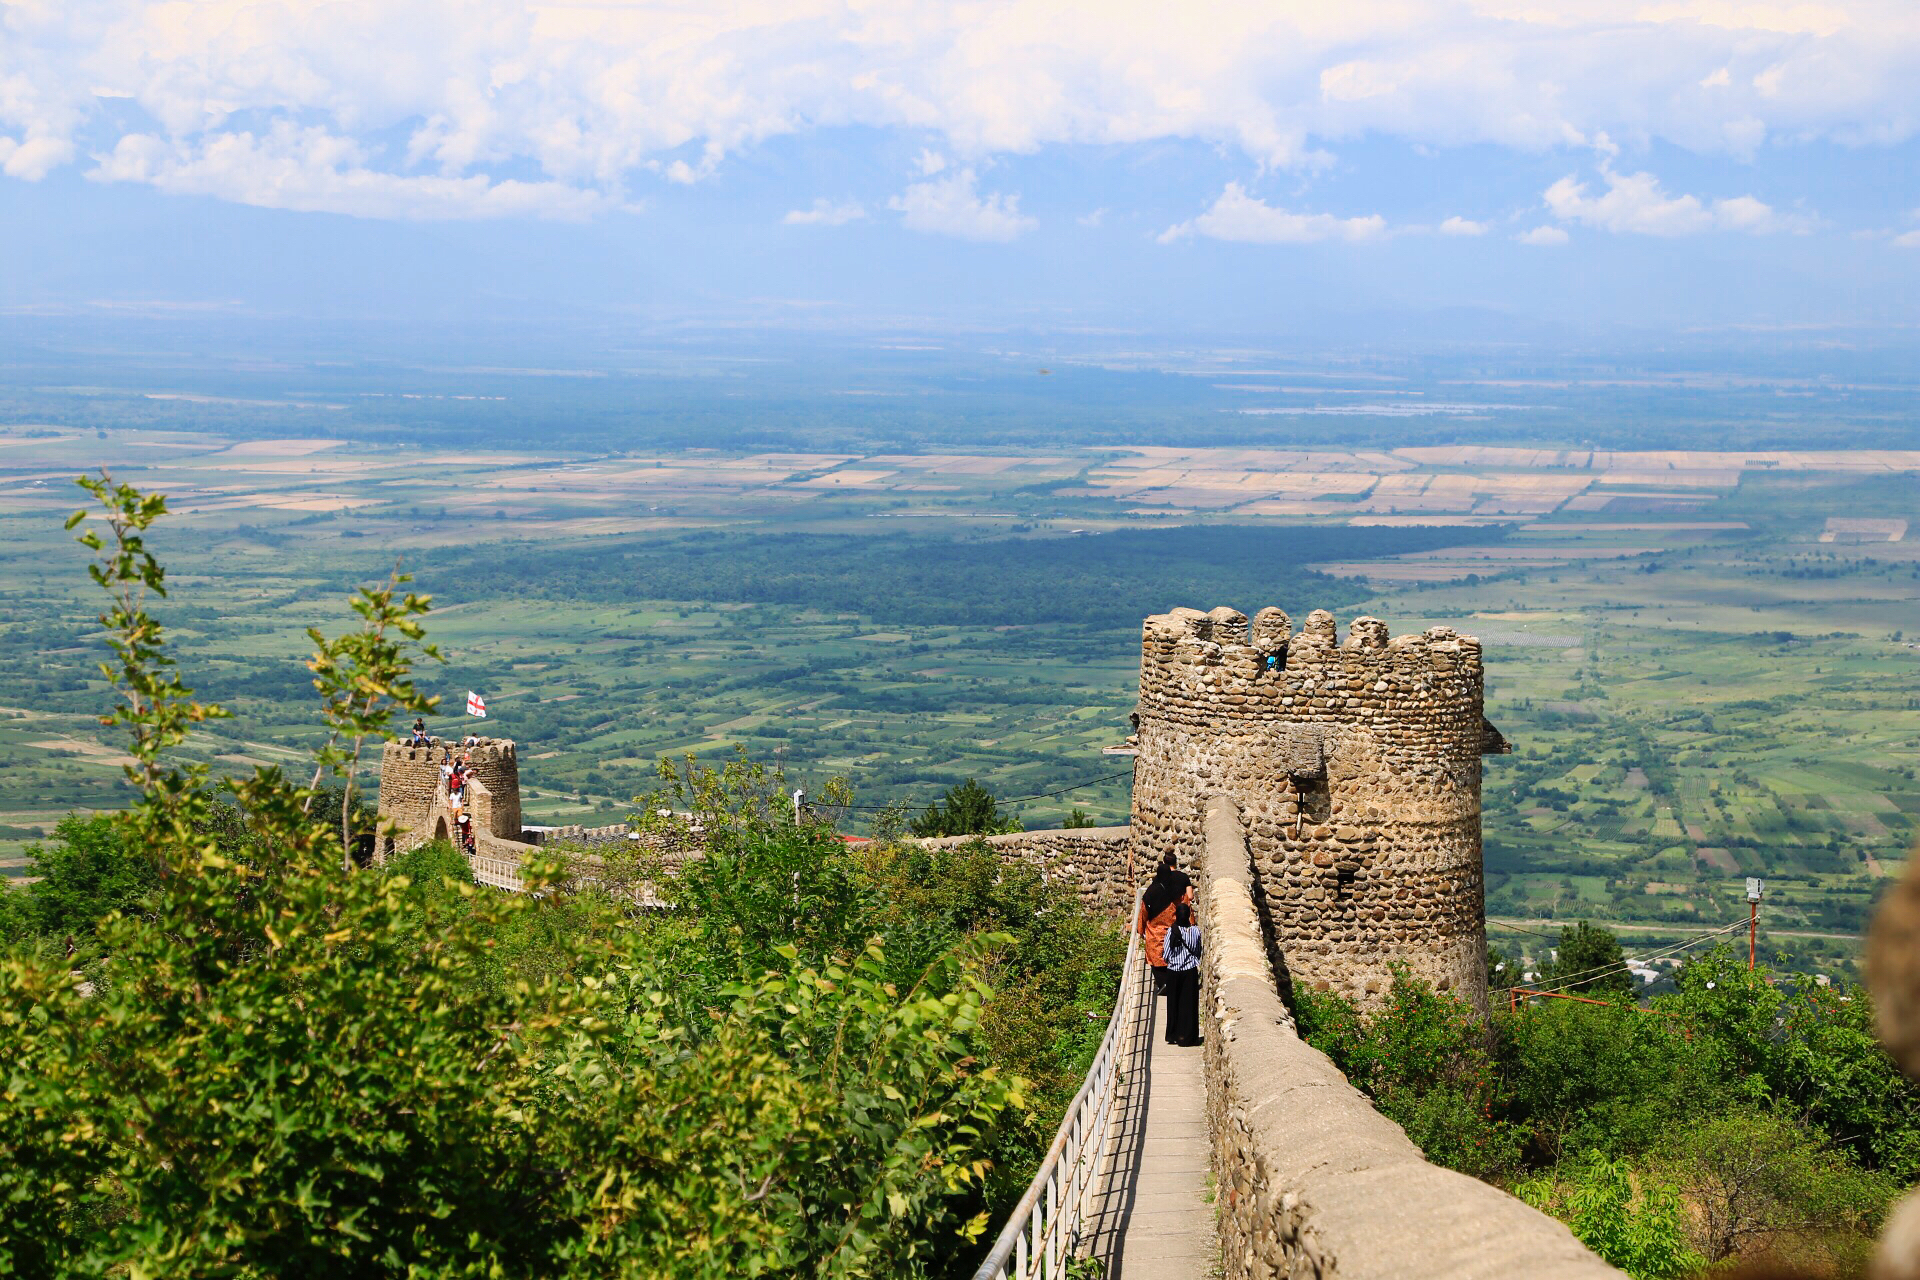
(1755, 885)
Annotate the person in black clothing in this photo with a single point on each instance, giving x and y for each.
(1183, 978)
(1156, 915)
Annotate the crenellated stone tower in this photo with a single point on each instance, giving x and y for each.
(1357, 769)
(413, 795)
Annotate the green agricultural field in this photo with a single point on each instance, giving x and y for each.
(1694, 696)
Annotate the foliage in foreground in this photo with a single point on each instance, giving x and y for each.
(281, 1067)
(1743, 1115)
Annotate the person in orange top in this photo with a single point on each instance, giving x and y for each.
(1169, 888)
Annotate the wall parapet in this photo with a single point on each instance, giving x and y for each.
(1357, 769)
(1313, 1180)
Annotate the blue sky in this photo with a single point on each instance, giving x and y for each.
(1211, 166)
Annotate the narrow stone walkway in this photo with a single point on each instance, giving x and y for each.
(1154, 1220)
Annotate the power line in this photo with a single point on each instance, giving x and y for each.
(1600, 971)
(1514, 928)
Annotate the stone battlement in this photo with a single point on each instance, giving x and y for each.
(1357, 767)
(1223, 664)
(487, 749)
(413, 792)
(1313, 1181)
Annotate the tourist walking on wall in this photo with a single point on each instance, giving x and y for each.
(1182, 950)
(1156, 915)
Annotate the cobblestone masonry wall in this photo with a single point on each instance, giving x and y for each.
(412, 796)
(1357, 766)
(1094, 860)
(1313, 1182)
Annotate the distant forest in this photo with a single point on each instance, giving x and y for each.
(1107, 579)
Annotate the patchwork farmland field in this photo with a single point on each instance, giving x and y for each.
(1702, 658)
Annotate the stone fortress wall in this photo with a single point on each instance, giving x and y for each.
(414, 795)
(1095, 862)
(1327, 799)
(1356, 767)
(1313, 1181)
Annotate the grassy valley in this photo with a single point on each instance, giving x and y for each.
(1702, 659)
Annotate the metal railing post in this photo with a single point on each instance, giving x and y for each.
(1044, 1228)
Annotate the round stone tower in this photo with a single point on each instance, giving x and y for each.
(1357, 771)
(412, 796)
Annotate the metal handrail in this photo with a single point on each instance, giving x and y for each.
(1045, 1227)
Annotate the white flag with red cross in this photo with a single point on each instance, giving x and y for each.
(476, 705)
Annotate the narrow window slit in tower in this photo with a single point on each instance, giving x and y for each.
(1312, 802)
(1344, 875)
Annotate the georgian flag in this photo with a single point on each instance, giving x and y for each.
(476, 705)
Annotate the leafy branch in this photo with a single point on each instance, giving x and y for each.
(364, 676)
(157, 708)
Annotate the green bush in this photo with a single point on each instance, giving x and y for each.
(1424, 1061)
(1740, 1113)
(84, 870)
(284, 1067)
(1634, 1222)
(1763, 1177)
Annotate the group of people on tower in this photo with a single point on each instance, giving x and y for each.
(1172, 940)
(419, 737)
(456, 773)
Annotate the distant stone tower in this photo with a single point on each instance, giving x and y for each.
(1357, 771)
(411, 793)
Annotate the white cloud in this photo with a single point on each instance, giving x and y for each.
(314, 171)
(825, 213)
(1239, 216)
(1908, 240)
(1094, 219)
(33, 158)
(1636, 203)
(597, 95)
(1543, 237)
(950, 206)
(1457, 226)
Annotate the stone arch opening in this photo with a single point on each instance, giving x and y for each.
(1316, 800)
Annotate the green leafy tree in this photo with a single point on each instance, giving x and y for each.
(1079, 818)
(83, 870)
(1639, 1229)
(1424, 1061)
(1756, 1177)
(364, 678)
(1502, 969)
(1588, 961)
(285, 1069)
(968, 810)
(1613, 1078)
(1810, 1048)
